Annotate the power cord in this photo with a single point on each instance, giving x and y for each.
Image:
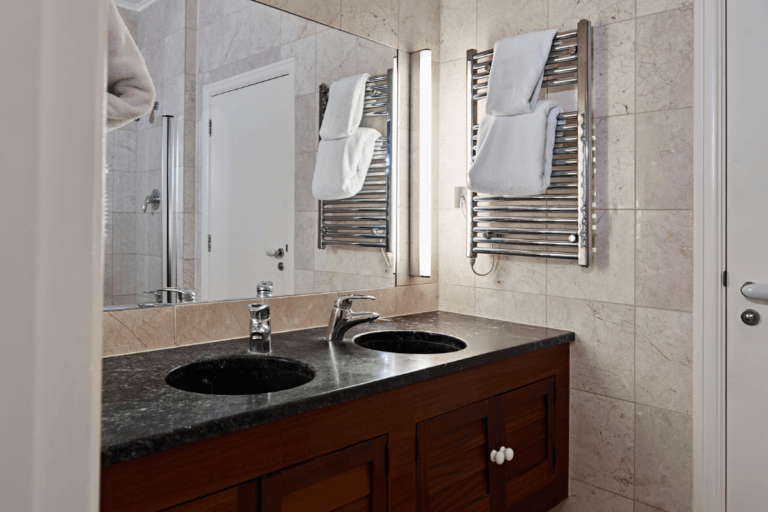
(462, 207)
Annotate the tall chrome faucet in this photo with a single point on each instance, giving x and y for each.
(261, 329)
(343, 318)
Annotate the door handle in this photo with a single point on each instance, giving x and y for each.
(277, 253)
(755, 291)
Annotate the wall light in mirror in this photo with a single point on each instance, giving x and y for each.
(421, 164)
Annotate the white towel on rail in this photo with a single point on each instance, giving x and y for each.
(342, 164)
(514, 153)
(345, 107)
(516, 73)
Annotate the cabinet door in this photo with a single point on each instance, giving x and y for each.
(242, 498)
(529, 429)
(453, 470)
(350, 480)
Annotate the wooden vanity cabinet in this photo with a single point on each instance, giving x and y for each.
(454, 468)
(423, 447)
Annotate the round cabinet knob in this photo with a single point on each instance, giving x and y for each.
(493, 455)
(509, 454)
(498, 456)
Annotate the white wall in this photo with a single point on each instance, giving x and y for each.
(51, 157)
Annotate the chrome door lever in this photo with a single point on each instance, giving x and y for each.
(277, 253)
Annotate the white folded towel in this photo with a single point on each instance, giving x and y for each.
(514, 153)
(342, 164)
(516, 73)
(130, 93)
(345, 107)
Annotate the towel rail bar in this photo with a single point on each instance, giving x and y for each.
(488, 219)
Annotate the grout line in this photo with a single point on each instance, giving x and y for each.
(634, 277)
(632, 402)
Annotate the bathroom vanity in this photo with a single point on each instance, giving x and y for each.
(484, 428)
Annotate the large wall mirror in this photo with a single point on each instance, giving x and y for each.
(211, 195)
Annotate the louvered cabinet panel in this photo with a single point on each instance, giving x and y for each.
(350, 480)
(453, 471)
(529, 429)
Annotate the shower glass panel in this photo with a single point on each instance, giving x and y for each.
(143, 215)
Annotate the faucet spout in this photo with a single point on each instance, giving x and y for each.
(343, 318)
(261, 329)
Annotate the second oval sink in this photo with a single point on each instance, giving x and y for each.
(410, 342)
(240, 375)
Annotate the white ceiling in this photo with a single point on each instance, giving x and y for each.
(134, 5)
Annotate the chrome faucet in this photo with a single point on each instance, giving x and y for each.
(261, 329)
(343, 318)
(185, 295)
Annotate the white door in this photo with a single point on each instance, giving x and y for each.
(251, 183)
(747, 257)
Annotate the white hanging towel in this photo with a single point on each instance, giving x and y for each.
(514, 153)
(345, 107)
(342, 164)
(516, 73)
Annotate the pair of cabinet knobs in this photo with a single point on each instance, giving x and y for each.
(502, 455)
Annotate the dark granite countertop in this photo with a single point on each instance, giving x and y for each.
(141, 414)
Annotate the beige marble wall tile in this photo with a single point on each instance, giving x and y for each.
(642, 507)
(341, 282)
(303, 51)
(123, 274)
(498, 19)
(266, 26)
(376, 19)
(420, 26)
(615, 165)
(303, 281)
(457, 299)
(602, 357)
(327, 12)
(200, 323)
(664, 259)
(602, 442)
(175, 45)
(453, 169)
(210, 11)
(458, 28)
(124, 232)
(352, 260)
(210, 48)
(417, 299)
(609, 277)
(315, 310)
(665, 160)
(566, 14)
(305, 240)
(304, 164)
(137, 330)
(515, 274)
(586, 498)
(614, 69)
(385, 304)
(335, 56)
(664, 458)
(454, 264)
(525, 308)
(373, 58)
(647, 7)
(453, 100)
(664, 358)
(306, 123)
(293, 28)
(665, 60)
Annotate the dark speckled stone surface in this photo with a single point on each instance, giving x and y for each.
(141, 414)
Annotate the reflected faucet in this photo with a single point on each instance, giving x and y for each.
(343, 318)
(185, 295)
(261, 329)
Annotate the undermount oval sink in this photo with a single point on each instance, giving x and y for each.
(240, 375)
(410, 342)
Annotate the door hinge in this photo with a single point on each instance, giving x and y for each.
(210, 127)
(209, 243)
(725, 278)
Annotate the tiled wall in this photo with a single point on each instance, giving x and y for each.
(631, 310)
(138, 330)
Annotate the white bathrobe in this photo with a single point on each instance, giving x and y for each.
(130, 93)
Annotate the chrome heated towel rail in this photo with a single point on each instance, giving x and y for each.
(558, 223)
(368, 218)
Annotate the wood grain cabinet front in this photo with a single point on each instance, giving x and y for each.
(458, 468)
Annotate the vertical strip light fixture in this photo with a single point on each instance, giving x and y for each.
(421, 164)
